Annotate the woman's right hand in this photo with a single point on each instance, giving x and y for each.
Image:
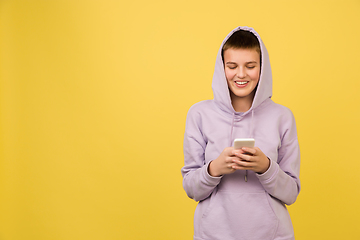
(223, 164)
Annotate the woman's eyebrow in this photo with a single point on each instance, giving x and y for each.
(252, 62)
(246, 62)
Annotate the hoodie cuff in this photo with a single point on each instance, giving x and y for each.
(270, 173)
(210, 179)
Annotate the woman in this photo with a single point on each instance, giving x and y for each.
(242, 193)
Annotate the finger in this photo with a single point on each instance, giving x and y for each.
(246, 157)
(234, 152)
(231, 165)
(249, 150)
(232, 159)
(237, 167)
(243, 165)
(227, 151)
(237, 161)
(241, 153)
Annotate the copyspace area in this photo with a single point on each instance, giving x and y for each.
(94, 96)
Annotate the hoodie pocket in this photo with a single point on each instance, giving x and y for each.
(245, 216)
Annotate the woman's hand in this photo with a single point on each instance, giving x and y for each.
(250, 159)
(224, 164)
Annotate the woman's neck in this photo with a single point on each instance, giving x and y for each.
(241, 104)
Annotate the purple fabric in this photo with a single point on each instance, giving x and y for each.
(230, 208)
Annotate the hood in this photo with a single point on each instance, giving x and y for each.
(220, 86)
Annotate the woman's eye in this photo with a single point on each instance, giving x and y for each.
(250, 67)
(231, 67)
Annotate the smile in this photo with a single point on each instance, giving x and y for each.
(241, 83)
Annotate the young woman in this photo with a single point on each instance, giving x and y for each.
(242, 193)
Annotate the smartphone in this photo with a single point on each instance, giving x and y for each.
(244, 142)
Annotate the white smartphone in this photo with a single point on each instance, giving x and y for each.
(244, 142)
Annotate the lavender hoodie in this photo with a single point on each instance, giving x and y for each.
(229, 207)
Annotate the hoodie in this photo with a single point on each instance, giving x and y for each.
(229, 207)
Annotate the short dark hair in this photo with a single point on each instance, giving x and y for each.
(242, 40)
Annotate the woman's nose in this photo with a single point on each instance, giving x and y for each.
(241, 72)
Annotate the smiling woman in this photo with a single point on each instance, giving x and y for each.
(238, 190)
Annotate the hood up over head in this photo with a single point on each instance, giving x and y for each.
(220, 86)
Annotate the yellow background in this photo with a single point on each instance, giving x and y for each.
(94, 96)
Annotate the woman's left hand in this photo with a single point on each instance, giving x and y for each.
(251, 159)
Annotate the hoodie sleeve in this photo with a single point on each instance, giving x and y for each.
(197, 182)
(281, 180)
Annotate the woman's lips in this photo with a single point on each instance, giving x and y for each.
(241, 84)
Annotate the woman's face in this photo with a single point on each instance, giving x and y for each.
(242, 71)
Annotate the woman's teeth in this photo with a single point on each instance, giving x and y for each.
(241, 83)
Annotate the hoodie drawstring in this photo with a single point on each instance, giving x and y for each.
(252, 136)
(231, 131)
